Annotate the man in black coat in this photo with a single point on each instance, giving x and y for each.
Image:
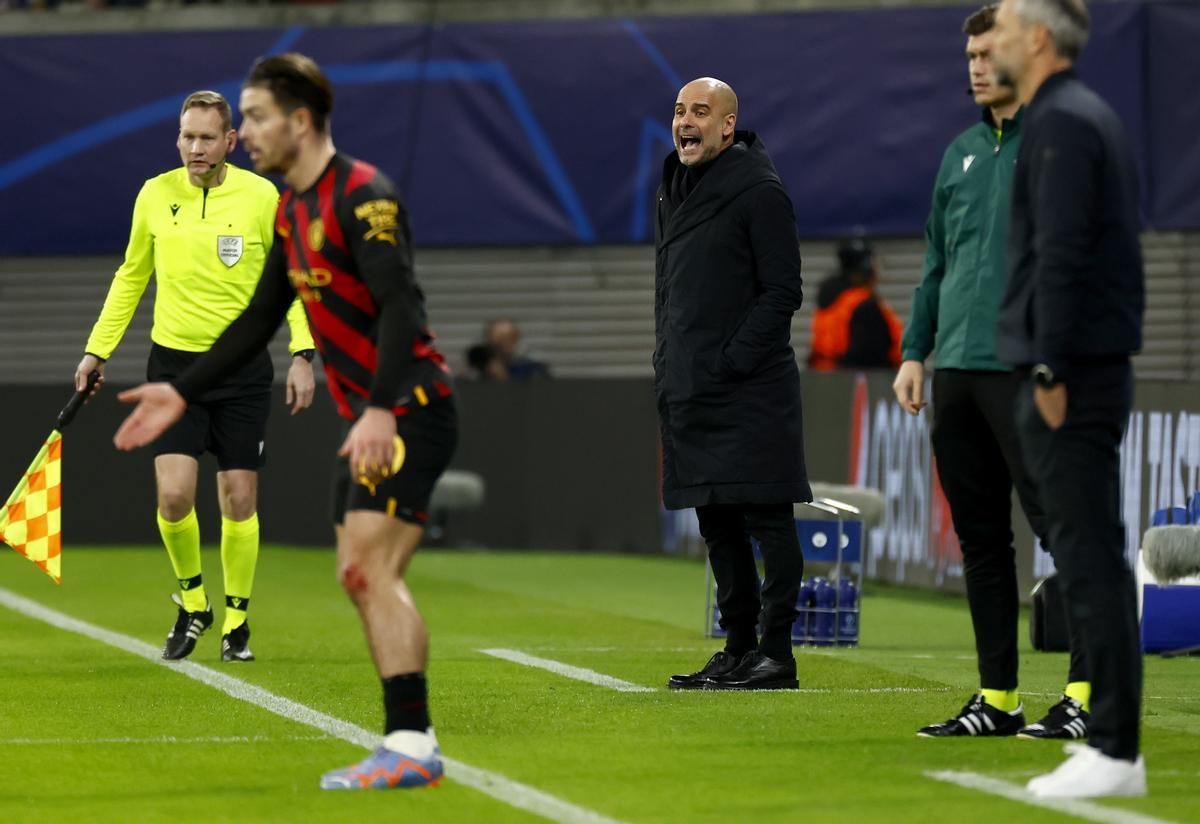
(1071, 318)
(727, 282)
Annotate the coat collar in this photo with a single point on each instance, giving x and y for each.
(741, 166)
(1059, 78)
(1012, 124)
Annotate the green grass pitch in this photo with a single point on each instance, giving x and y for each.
(92, 733)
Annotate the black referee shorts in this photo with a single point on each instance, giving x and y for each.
(230, 420)
(429, 435)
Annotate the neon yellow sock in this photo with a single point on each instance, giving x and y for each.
(182, 540)
(1081, 691)
(1005, 700)
(239, 556)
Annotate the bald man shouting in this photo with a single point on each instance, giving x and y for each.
(727, 282)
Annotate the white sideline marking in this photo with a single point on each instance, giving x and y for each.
(1144, 697)
(163, 739)
(869, 690)
(566, 670)
(1071, 806)
(493, 784)
(602, 680)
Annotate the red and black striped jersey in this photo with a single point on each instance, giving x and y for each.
(345, 245)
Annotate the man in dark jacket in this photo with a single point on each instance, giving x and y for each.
(974, 433)
(1071, 318)
(727, 282)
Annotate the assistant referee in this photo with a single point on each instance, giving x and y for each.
(204, 230)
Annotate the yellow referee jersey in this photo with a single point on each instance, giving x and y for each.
(207, 248)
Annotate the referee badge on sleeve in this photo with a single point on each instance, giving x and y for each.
(229, 249)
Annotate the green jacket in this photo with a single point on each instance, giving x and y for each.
(966, 266)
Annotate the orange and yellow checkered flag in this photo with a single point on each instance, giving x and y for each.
(31, 520)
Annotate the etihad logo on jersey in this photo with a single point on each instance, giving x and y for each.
(381, 216)
(306, 281)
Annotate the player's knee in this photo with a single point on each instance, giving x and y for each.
(174, 504)
(354, 580)
(238, 506)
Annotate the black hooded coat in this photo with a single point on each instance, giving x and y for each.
(727, 282)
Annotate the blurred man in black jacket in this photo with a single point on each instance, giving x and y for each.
(1071, 318)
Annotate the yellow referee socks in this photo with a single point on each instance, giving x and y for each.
(1005, 700)
(182, 540)
(1081, 691)
(239, 556)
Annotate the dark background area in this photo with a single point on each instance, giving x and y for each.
(553, 132)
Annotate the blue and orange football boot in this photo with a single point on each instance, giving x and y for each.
(407, 760)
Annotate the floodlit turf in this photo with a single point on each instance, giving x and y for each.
(90, 733)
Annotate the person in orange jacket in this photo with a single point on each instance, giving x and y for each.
(853, 328)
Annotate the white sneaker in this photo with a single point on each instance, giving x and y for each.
(1089, 773)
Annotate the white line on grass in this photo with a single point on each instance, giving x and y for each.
(493, 784)
(870, 690)
(1080, 809)
(602, 680)
(566, 670)
(1144, 697)
(163, 739)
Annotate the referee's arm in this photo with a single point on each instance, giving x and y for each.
(128, 285)
(301, 339)
(124, 294)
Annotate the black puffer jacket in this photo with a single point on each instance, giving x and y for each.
(727, 282)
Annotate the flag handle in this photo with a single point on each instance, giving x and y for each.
(77, 400)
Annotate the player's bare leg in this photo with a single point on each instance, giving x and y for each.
(373, 552)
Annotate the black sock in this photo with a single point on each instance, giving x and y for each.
(777, 643)
(740, 640)
(405, 702)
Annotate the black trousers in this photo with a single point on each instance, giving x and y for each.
(979, 461)
(726, 529)
(1076, 469)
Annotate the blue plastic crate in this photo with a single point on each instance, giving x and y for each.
(818, 541)
(1170, 617)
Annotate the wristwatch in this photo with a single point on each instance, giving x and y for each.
(1043, 376)
(307, 354)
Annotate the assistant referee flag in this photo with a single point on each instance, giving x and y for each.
(31, 519)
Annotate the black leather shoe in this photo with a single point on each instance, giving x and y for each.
(719, 664)
(757, 672)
